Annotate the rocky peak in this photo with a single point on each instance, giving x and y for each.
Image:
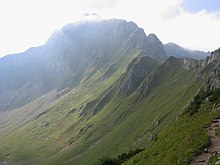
(155, 47)
(137, 39)
(152, 38)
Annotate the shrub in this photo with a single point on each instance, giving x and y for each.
(194, 106)
(120, 159)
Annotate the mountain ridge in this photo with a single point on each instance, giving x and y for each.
(175, 50)
(111, 89)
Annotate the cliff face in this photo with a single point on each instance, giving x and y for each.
(189, 63)
(211, 66)
(155, 47)
(137, 39)
(136, 72)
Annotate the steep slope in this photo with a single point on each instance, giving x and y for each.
(212, 69)
(57, 92)
(153, 80)
(71, 56)
(155, 47)
(179, 143)
(125, 125)
(84, 138)
(188, 136)
(136, 72)
(175, 50)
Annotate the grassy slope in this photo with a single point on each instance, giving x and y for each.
(180, 142)
(122, 126)
(36, 140)
(119, 127)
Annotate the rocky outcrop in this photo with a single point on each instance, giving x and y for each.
(189, 63)
(211, 67)
(150, 45)
(137, 39)
(135, 73)
(170, 65)
(214, 58)
(185, 63)
(155, 47)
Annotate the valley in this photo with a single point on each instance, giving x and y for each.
(98, 89)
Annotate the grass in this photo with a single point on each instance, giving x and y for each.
(119, 127)
(122, 126)
(180, 142)
(214, 159)
(31, 141)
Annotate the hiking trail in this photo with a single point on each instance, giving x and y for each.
(214, 147)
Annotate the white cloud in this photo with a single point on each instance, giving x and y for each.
(170, 22)
(27, 23)
(196, 31)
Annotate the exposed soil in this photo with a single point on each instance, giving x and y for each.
(214, 147)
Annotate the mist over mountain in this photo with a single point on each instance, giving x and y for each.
(104, 91)
(70, 56)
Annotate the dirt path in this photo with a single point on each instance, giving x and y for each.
(213, 149)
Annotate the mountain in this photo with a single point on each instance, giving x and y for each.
(71, 56)
(103, 91)
(156, 44)
(136, 72)
(175, 50)
(189, 136)
(81, 63)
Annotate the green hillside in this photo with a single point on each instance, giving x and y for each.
(187, 137)
(70, 132)
(106, 89)
(179, 143)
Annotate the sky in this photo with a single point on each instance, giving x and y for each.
(193, 24)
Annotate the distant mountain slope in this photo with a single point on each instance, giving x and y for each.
(71, 56)
(175, 50)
